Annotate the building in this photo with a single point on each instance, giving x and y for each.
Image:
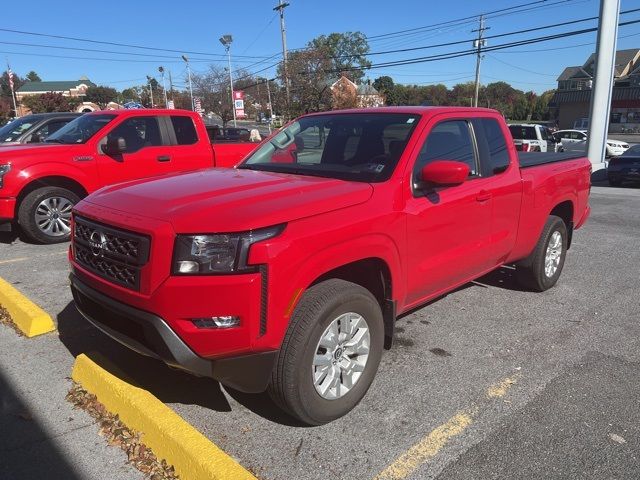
(571, 101)
(363, 96)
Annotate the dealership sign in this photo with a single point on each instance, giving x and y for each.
(238, 103)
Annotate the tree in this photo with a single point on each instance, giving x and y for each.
(310, 84)
(387, 88)
(347, 53)
(101, 95)
(33, 77)
(344, 95)
(50, 102)
(5, 89)
(212, 87)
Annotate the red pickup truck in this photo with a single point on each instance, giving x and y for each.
(287, 273)
(40, 183)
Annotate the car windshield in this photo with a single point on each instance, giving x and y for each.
(11, 132)
(523, 133)
(633, 151)
(81, 129)
(363, 147)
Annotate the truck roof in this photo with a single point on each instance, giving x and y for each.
(418, 110)
(133, 112)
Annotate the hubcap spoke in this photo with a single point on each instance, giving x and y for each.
(553, 254)
(341, 356)
(53, 216)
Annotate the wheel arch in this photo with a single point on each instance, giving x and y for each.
(565, 211)
(52, 181)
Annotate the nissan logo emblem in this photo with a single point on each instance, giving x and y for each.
(96, 242)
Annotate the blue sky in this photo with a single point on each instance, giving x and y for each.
(196, 26)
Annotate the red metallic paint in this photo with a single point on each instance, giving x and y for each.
(445, 172)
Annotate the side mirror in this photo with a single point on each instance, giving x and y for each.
(115, 146)
(444, 172)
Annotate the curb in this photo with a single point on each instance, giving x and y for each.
(26, 315)
(170, 437)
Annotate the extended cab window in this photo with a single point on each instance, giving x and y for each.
(138, 132)
(185, 130)
(449, 140)
(496, 145)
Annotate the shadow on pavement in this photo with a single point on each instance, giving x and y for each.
(166, 384)
(503, 277)
(26, 450)
(9, 237)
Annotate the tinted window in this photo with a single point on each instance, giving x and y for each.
(13, 130)
(81, 129)
(185, 130)
(52, 127)
(138, 132)
(362, 147)
(447, 141)
(498, 153)
(523, 133)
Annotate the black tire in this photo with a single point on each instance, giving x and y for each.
(27, 214)
(530, 272)
(291, 385)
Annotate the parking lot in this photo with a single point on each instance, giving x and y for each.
(489, 381)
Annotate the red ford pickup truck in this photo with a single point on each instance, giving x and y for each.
(287, 273)
(40, 183)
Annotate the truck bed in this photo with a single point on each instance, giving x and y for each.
(533, 159)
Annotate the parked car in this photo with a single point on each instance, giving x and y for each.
(576, 141)
(219, 134)
(40, 184)
(34, 128)
(533, 138)
(625, 168)
(288, 272)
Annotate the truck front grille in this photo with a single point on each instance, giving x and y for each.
(114, 254)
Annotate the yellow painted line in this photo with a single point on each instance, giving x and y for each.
(27, 316)
(427, 448)
(500, 389)
(171, 438)
(13, 260)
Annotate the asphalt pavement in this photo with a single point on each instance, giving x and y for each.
(489, 381)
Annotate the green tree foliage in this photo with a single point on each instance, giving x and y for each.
(101, 96)
(50, 102)
(33, 77)
(347, 53)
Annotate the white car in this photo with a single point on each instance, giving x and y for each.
(576, 141)
(531, 137)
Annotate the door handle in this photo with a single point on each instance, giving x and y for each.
(164, 158)
(483, 196)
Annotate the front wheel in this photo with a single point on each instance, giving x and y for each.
(542, 269)
(330, 353)
(45, 214)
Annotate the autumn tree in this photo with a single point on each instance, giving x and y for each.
(344, 95)
(50, 102)
(310, 84)
(346, 52)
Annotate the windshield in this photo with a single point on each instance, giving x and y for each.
(81, 129)
(363, 147)
(11, 132)
(523, 133)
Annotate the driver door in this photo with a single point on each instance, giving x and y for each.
(145, 154)
(448, 227)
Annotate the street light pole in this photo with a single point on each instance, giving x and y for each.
(226, 41)
(164, 87)
(184, 57)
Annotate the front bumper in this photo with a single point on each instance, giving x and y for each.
(150, 335)
(7, 210)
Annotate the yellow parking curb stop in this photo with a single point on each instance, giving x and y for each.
(29, 318)
(170, 437)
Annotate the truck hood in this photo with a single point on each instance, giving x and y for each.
(230, 200)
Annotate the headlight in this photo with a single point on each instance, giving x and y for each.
(3, 170)
(217, 253)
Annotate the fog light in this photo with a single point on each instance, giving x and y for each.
(188, 267)
(226, 321)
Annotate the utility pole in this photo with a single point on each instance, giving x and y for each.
(184, 57)
(479, 43)
(226, 41)
(600, 108)
(164, 87)
(150, 89)
(170, 85)
(280, 8)
(270, 105)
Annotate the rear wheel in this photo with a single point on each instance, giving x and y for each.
(330, 353)
(45, 214)
(542, 269)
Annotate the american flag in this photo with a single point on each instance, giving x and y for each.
(10, 74)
